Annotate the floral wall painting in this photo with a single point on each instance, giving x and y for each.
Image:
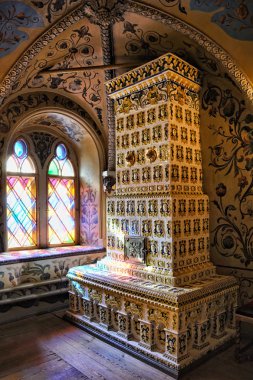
(17, 108)
(89, 223)
(147, 43)
(87, 84)
(172, 3)
(54, 8)
(234, 17)
(43, 144)
(75, 50)
(15, 18)
(12, 276)
(230, 125)
(232, 237)
(245, 284)
(59, 122)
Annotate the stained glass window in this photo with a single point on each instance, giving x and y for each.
(21, 198)
(19, 161)
(61, 199)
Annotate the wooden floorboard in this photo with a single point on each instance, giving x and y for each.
(54, 369)
(109, 362)
(47, 347)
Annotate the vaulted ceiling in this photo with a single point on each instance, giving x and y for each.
(71, 47)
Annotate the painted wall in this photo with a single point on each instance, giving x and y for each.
(227, 146)
(226, 115)
(39, 283)
(91, 206)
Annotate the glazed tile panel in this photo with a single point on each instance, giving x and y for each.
(176, 229)
(159, 178)
(158, 147)
(174, 326)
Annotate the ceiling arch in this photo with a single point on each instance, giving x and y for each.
(30, 103)
(90, 43)
(94, 11)
(51, 112)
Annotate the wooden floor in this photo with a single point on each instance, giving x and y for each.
(48, 348)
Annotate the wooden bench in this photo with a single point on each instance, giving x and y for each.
(243, 314)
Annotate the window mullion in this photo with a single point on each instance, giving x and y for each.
(42, 204)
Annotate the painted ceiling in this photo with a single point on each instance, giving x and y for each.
(66, 47)
(62, 123)
(230, 23)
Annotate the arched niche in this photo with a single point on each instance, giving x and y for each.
(89, 152)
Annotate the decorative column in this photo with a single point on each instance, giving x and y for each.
(147, 335)
(2, 198)
(124, 323)
(200, 335)
(88, 309)
(105, 13)
(74, 299)
(105, 316)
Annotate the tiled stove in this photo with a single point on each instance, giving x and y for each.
(156, 293)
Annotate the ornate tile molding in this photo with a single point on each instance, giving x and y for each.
(190, 75)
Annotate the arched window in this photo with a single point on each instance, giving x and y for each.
(61, 198)
(41, 194)
(21, 198)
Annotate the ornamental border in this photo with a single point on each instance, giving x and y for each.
(157, 70)
(147, 11)
(221, 284)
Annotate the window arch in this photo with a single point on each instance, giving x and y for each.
(42, 195)
(61, 198)
(21, 198)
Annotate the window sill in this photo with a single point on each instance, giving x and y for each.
(47, 253)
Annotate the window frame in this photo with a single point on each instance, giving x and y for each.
(76, 192)
(19, 174)
(41, 183)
